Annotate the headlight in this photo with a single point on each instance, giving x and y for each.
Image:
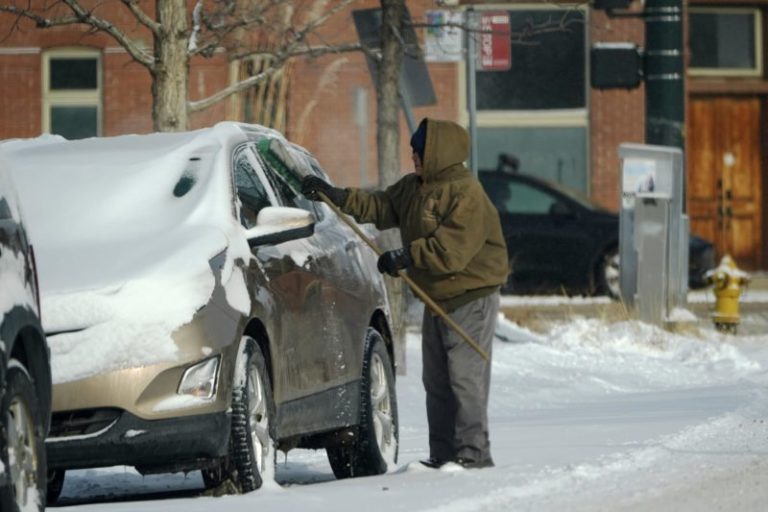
(200, 380)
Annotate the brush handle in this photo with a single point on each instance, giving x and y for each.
(416, 288)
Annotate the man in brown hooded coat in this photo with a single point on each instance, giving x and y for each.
(453, 248)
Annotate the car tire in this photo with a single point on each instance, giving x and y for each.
(252, 449)
(607, 273)
(373, 447)
(55, 485)
(22, 427)
(214, 477)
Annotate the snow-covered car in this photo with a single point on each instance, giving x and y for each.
(200, 311)
(25, 373)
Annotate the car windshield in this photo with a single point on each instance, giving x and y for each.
(576, 196)
(530, 195)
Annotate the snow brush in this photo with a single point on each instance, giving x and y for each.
(276, 154)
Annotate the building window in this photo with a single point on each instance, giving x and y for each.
(725, 41)
(537, 110)
(548, 67)
(72, 93)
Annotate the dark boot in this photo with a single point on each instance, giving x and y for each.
(474, 464)
(433, 463)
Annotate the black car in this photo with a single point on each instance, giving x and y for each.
(560, 242)
(25, 374)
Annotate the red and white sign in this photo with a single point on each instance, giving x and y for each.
(495, 42)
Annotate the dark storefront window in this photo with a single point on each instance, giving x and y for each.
(548, 67)
(724, 41)
(537, 110)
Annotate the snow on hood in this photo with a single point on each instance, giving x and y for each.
(124, 229)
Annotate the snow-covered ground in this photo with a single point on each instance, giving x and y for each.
(585, 415)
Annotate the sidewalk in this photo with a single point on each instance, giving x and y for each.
(533, 310)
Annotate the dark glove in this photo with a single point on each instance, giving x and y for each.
(392, 261)
(311, 185)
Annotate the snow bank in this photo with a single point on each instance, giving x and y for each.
(511, 332)
(588, 357)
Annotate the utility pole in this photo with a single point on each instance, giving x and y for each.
(664, 73)
(471, 60)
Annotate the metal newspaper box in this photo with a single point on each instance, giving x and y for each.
(652, 195)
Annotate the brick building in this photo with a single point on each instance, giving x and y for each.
(542, 110)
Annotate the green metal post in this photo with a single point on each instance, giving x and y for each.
(664, 73)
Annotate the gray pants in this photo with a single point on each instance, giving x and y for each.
(457, 380)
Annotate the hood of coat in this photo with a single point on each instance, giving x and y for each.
(446, 148)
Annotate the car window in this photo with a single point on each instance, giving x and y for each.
(519, 198)
(287, 189)
(251, 192)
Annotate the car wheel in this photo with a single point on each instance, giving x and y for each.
(251, 446)
(607, 279)
(25, 452)
(55, 485)
(372, 450)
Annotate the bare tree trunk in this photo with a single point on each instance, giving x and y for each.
(171, 76)
(387, 96)
(388, 144)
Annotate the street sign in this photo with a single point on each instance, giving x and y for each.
(443, 37)
(495, 45)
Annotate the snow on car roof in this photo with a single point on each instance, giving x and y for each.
(81, 198)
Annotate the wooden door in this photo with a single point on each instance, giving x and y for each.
(724, 175)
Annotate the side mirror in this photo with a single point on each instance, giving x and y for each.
(559, 209)
(278, 224)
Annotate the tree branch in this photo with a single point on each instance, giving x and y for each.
(221, 30)
(528, 32)
(196, 106)
(309, 51)
(87, 18)
(40, 21)
(288, 50)
(142, 17)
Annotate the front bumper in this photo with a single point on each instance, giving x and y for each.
(179, 442)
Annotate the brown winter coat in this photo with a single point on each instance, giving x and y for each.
(446, 220)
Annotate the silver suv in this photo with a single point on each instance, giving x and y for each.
(200, 311)
(25, 375)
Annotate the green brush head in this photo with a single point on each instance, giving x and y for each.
(277, 155)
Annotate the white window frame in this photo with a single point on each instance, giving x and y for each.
(561, 118)
(71, 97)
(757, 71)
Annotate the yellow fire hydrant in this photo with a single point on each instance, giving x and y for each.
(729, 281)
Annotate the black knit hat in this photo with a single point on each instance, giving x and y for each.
(419, 139)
